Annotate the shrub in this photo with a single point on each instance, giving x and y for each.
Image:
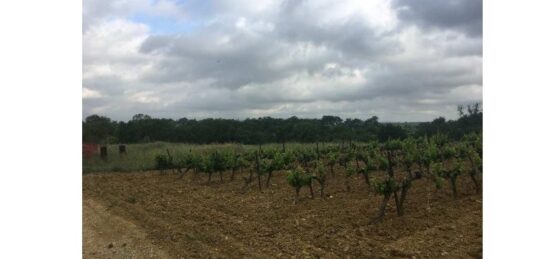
(298, 178)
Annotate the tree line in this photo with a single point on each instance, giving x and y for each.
(144, 128)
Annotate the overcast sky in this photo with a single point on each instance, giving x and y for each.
(408, 60)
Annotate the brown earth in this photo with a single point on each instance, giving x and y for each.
(149, 215)
(110, 236)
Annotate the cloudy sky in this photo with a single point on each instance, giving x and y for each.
(401, 60)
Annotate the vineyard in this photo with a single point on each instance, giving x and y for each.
(416, 197)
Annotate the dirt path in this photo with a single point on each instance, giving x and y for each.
(109, 236)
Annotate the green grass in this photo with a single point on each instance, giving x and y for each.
(141, 157)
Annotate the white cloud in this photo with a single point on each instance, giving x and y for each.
(90, 94)
(278, 58)
(144, 97)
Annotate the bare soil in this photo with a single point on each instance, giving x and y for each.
(153, 215)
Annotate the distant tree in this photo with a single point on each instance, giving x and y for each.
(144, 128)
(389, 131)
(328, 121)
(141, 116)
(98, 129)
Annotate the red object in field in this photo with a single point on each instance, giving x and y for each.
(89, 149)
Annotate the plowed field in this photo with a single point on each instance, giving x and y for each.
(153, 215)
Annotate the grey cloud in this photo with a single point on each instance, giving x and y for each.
(106, 84)
(250, 57)
(352, 37)
(232, 68)
(464, 15)
(195, 59)
(410, 79)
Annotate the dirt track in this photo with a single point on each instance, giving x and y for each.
(151, 215)
(110, 236)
